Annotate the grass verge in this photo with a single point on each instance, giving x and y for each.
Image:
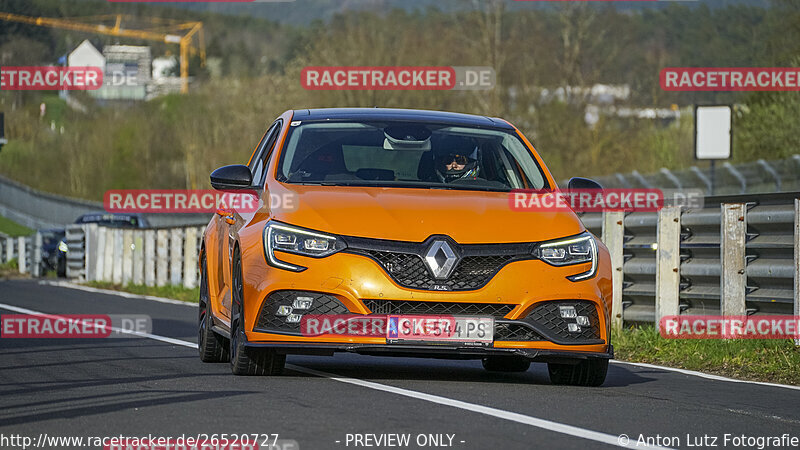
(770, 360)
(13, 229)
(173, 292)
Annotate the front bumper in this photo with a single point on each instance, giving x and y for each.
(355, 279)
(430, 351)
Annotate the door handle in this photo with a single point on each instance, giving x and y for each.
(226, 214)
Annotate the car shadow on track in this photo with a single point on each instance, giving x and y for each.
(388, 369)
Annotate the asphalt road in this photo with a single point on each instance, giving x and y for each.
(145, 386)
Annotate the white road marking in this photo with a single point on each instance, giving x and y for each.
(156, 337)
(494, 412)
(79, 287)
(544, 424)
(706, 375)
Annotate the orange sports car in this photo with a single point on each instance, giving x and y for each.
(390, 232)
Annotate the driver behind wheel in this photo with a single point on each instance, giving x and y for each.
(454, 166)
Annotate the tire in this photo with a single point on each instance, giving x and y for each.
(588, 372)
(212, 347)
(246, 360)
(506, 364)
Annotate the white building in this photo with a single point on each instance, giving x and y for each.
(86, 55)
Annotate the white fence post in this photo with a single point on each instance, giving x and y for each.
(100, 254)
(91, 250)
(150, 257)
(190, 258)
(176, 256)
(36, 261)
(668, 263)
(162, 264)
(613, 238)
(9, 249)
(117, 259)
(797, 264)
(108, 255)
(732, 255)
(138, 257)
(127, 256)
(22, 259)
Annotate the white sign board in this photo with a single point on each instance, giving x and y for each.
(712, 128)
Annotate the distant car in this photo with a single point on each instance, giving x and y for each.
(54, 251)
(114, 220)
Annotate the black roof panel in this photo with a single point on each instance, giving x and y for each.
(389, 114)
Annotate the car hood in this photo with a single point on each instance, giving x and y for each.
(415, 214)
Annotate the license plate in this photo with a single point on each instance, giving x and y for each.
(476, 330)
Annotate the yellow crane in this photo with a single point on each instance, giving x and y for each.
(162, 30)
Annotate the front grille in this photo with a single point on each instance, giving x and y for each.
(505, 331)
(547, 319)
(322, 304)
(403, 307)
(409, 270)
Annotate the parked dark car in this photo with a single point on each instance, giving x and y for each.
(114, 220)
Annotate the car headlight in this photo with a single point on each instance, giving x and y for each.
(62, 247)
(286, 238)
(570, 251)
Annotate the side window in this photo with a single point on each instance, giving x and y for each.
(257, 164)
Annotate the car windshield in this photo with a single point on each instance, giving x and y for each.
(404, 154)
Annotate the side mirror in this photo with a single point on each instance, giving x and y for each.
(235, 176)
(582, 183)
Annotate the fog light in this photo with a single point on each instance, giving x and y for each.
(567, 312)
(293, 318)
(302, 303)
(573, 328)
(284, 310)
(582, 321)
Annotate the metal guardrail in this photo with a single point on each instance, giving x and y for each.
(38, 210)
(760, 176)
(770, 284)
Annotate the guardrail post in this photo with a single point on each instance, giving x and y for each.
(732, 255)
(149, 257)
(613, 238)
(22, 259)
(108, 255)
(162, 264)
(668, 262)
(797, 263)
(138, 257)
(117, 260)
(36, 262)
(9, 249)
(91, 250)
(127, 256)
(190, 258)
(176, 256)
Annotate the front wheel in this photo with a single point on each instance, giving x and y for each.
(247, 360)
(588, 372)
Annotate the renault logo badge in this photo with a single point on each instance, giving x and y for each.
(441, 259)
